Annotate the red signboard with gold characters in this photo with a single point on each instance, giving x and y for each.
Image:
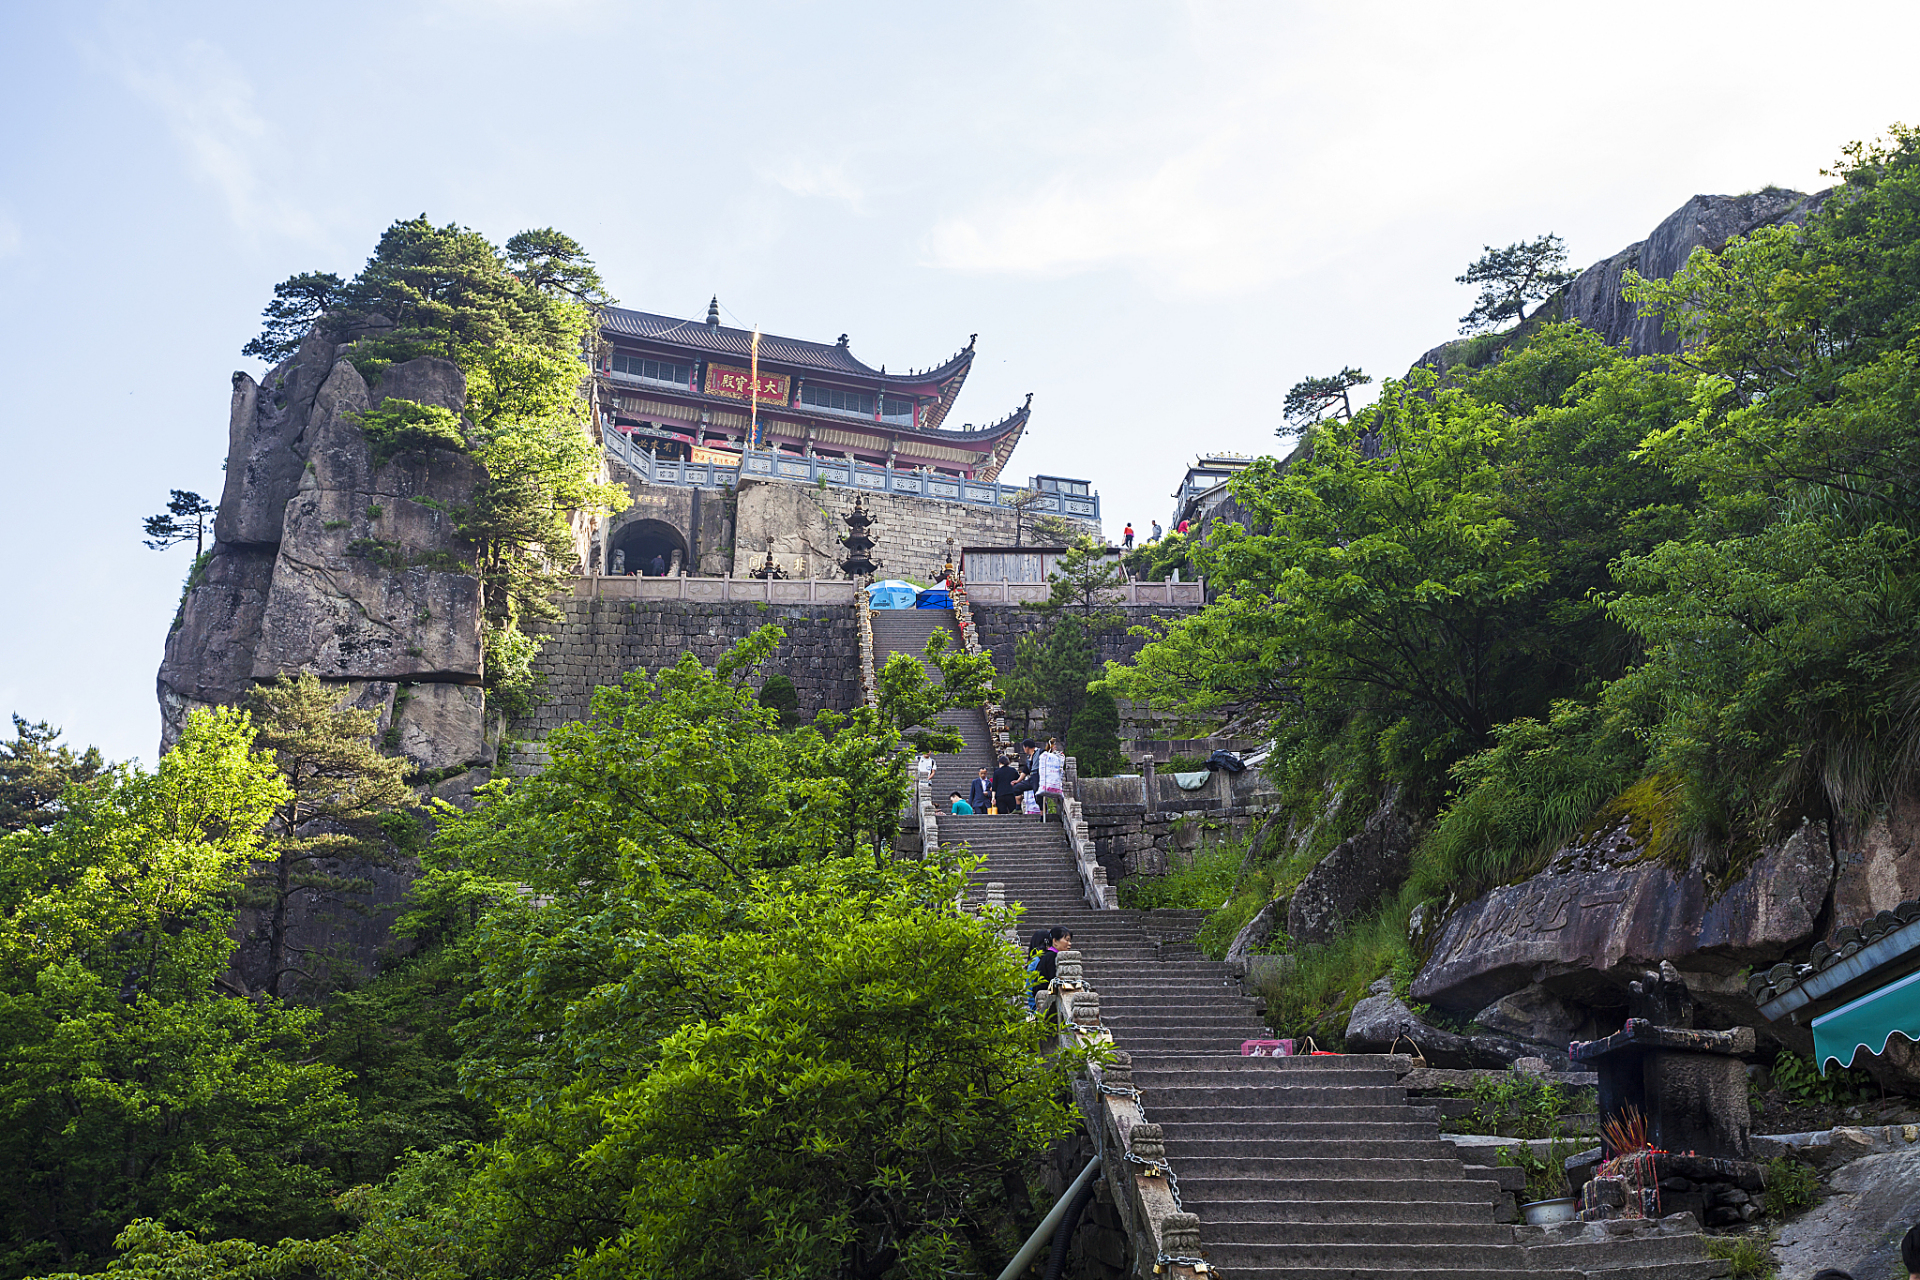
(732, 383)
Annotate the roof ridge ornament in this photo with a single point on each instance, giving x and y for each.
(713, 312)
(971, 339)
(843, 342)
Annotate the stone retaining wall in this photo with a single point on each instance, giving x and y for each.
(598, 641)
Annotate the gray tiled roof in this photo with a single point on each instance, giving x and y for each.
(1847, 943)
(738, 343)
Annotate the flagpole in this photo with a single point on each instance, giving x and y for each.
(753, 391)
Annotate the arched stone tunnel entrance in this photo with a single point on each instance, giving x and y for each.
(635, 545)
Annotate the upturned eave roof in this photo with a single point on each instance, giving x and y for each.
(795, 353)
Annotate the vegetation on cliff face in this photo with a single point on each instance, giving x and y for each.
(130, 1088)
(671, 1009)
(519, 322)
(1575, 578)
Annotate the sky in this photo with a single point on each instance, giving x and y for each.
(1156, 217)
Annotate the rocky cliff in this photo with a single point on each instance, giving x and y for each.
(325, 562)
(1594, 298)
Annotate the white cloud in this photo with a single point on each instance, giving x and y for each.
(812, 178)
(1272, 140)
(12, 239)
(208, 106)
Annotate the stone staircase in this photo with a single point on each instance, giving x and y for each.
(1298, 1168)
(906, 631)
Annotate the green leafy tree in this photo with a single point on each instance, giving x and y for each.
(1312, 399)
(337, 786)
(185, 518)
(1421, 596)
(1784, 652)
(129, 1088)
(1056, 531)
(298, 302)
(1051, 670)
(1510, 278)
(36, 769)
(721, 1037)
(553, 263)
(778, 693)
(1094, 739)
(1086, 581)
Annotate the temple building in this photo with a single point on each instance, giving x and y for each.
(743, 452)
(685, 391)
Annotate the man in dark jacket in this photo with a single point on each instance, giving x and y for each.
(982, 793)
(1006, 784)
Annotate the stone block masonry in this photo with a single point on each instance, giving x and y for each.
(596, 642)
(1001, 629)
(910, 533)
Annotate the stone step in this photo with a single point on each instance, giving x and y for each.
(1216, 1086)
(1369, 1255)
(1324, 1169)
(1257, 1271)
(1261, 1119)
(1621, 1251)
(1252, 1231)
(1224, 1141)
(1221, 1186)
(1367, 1215)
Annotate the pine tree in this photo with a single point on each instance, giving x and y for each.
(338, 786)
(34, 769)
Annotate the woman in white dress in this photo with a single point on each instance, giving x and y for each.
(1052, 768)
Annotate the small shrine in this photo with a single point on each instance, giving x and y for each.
(1674, 1115)
(768, 570)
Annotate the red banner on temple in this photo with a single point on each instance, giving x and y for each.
(733, 383)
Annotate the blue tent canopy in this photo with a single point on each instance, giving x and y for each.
(934, 598)
(1868, 1023)
(892, 594)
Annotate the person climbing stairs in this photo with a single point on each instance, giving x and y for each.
(1299, 1168)
(906, 631)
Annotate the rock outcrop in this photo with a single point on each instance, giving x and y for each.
(326, 563)
(1594, 297)
(1383, 1018)
(1602, 914)
(1359, 871)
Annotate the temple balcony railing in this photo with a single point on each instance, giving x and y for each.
(839, 473)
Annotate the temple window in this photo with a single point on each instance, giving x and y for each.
(896, 407)
(834, 398)
(652, 370)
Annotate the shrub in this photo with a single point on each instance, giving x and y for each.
(1790, 1185)
(779, 695)
(1751, 1256)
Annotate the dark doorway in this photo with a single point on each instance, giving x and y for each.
(642, 540)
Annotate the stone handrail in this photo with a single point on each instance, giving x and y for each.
(837, 473)
(863, 624)
(1133, 1152)
(1100, 895)
(970, 642)
(1131, 593)
(718, 590)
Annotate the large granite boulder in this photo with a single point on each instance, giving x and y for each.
(373, 582)
(209, 652)
(265, 435)
(1382, 1018)
(1602, 914)
(1879, 865)
(1359, 871)
(1708, 222)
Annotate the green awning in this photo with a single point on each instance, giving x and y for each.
(1867, 1023)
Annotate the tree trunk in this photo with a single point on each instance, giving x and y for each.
(277, 926)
